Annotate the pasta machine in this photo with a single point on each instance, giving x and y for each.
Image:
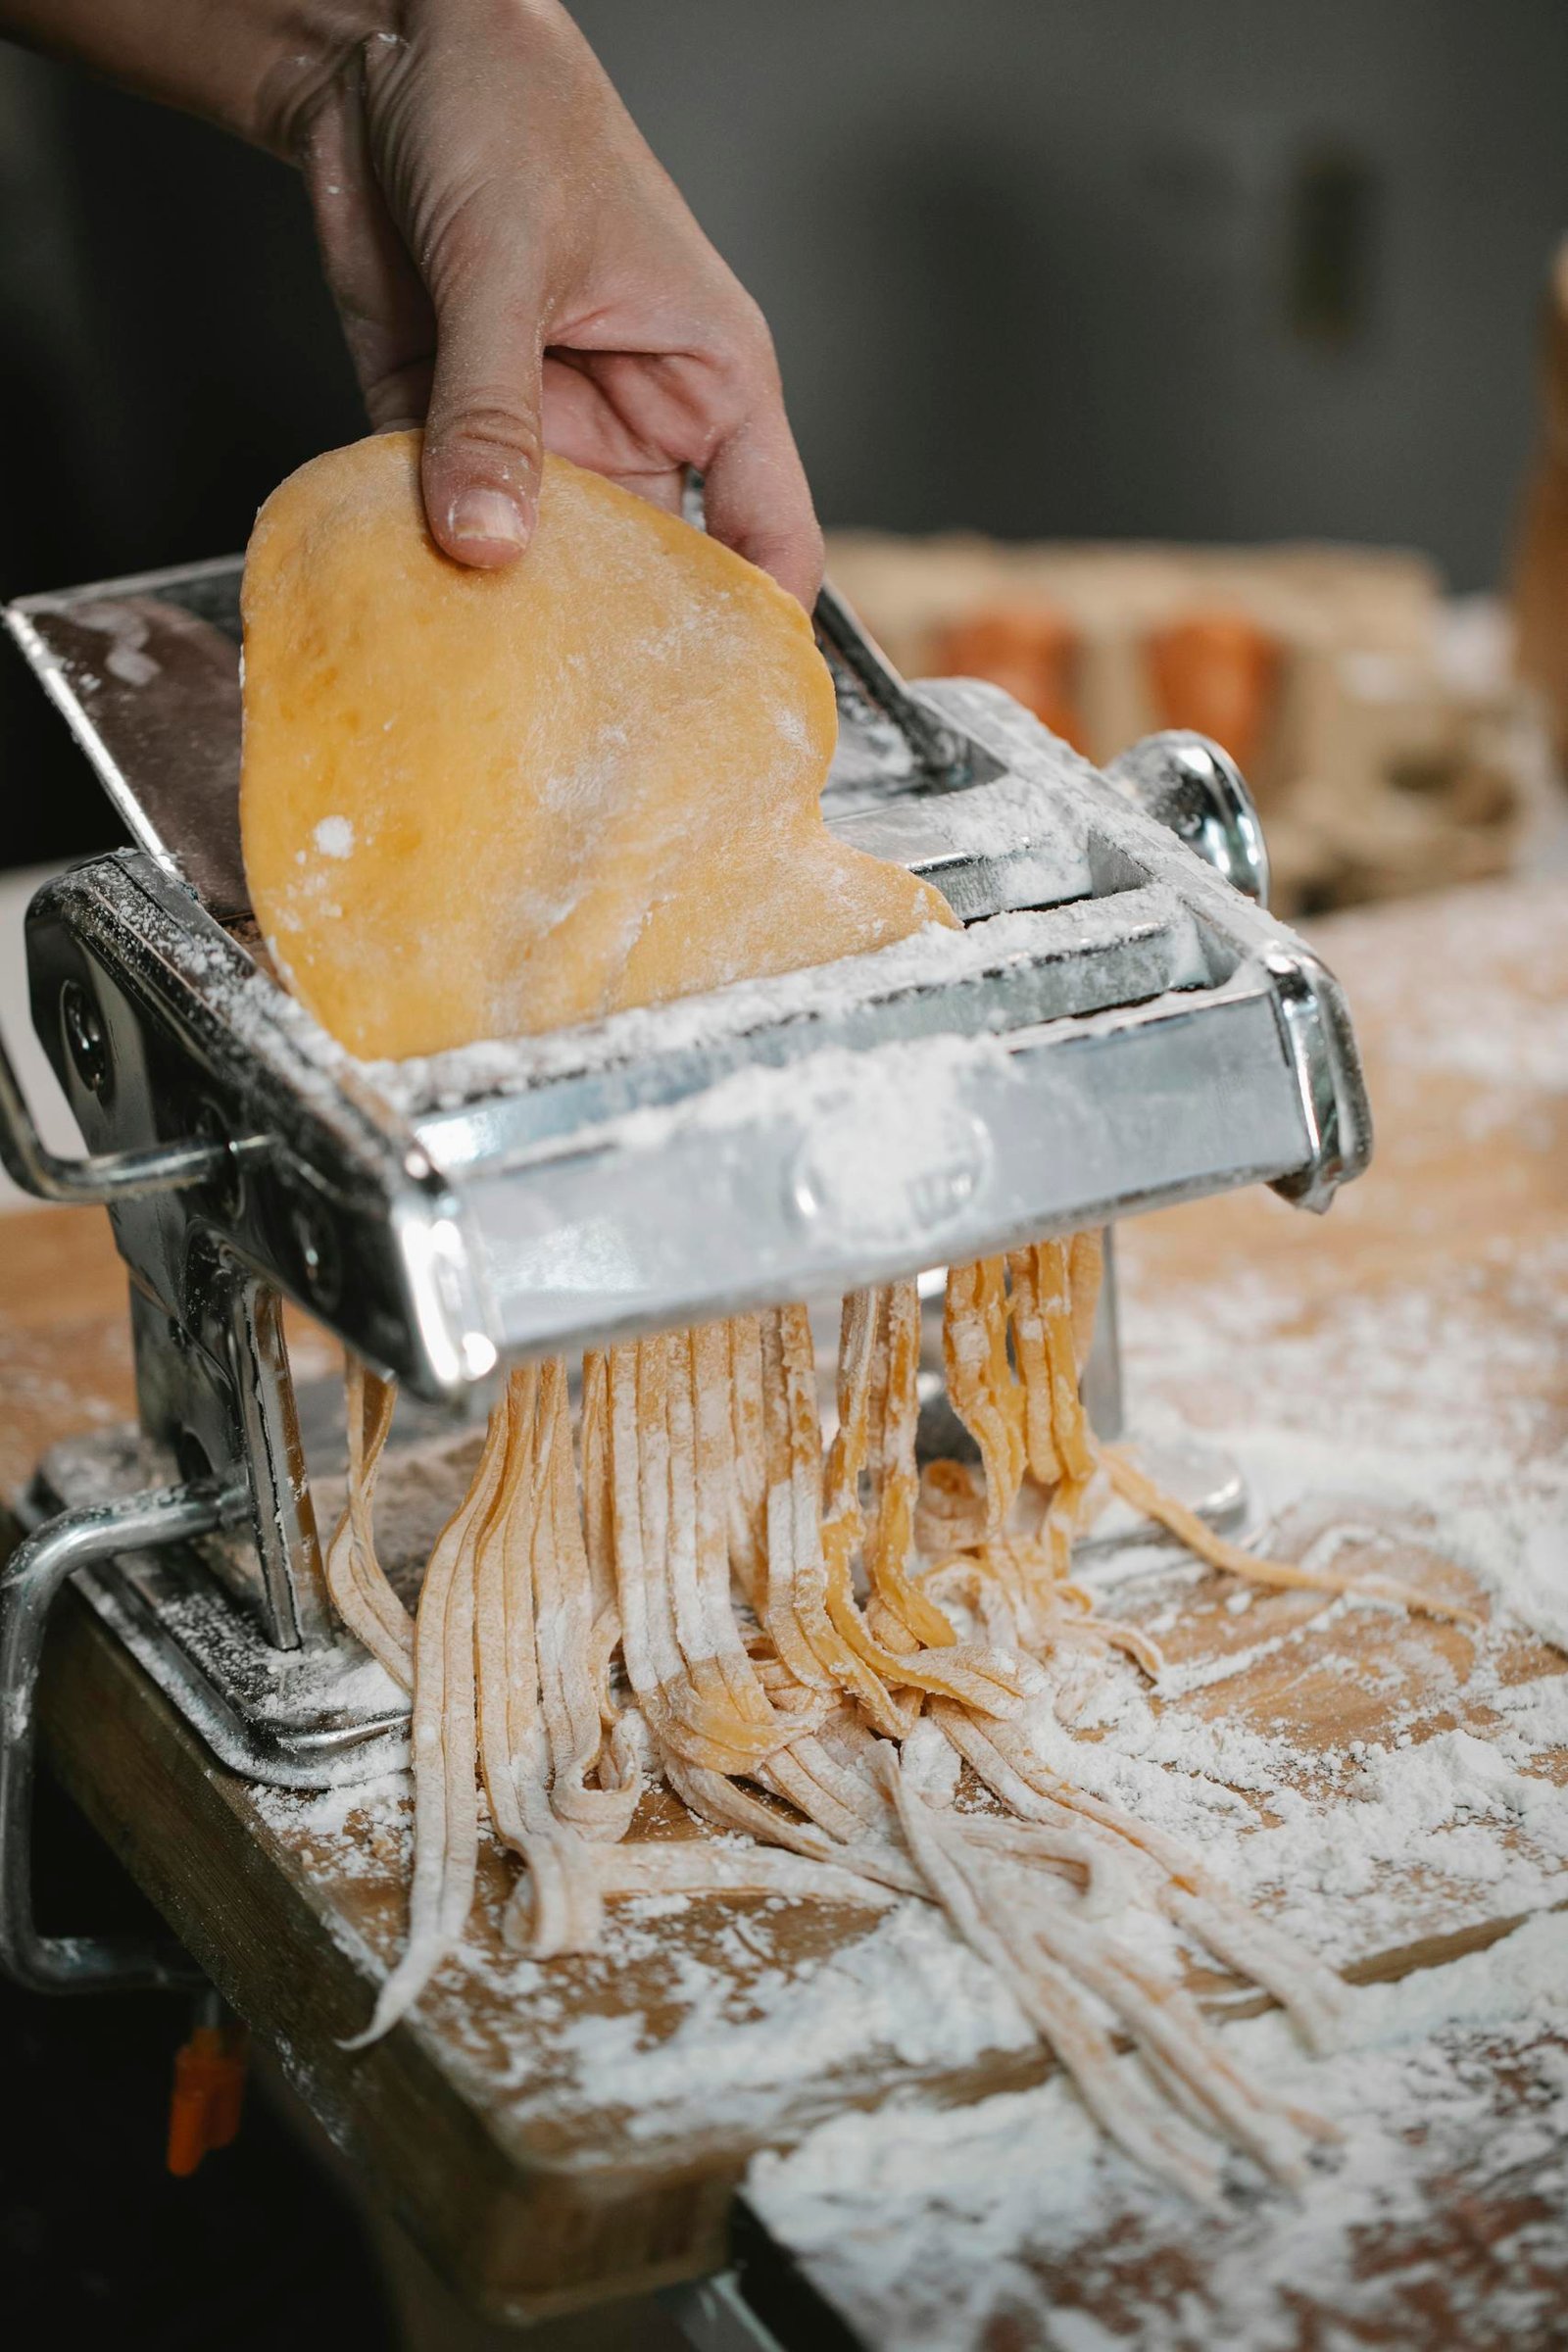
(1119, 1025)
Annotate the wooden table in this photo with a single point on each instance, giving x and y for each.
(1403, 1365)
(554, 2135)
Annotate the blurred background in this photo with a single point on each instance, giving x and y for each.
(1236, 271)
(1109, 299)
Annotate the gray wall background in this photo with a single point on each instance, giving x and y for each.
(1027, 260)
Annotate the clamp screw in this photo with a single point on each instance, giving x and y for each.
(86, 1040)
(228, 1186)
(319, 1254)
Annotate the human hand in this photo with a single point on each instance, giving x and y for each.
(515, 271)
(513, 267)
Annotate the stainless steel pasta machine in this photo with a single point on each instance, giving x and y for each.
(1119, 1025)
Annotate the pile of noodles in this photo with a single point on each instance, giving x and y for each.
(809, 1650)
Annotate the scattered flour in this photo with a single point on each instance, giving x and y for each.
(906, 1995)
(1009, 2222)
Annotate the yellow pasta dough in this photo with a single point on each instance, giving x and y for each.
(487, 804)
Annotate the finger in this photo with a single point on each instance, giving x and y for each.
(663, 489)
(757, 502)
(388, 323)
(581, 422)
(724, 416)
(483, 441)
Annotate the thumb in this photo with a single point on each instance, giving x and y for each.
(482, 434)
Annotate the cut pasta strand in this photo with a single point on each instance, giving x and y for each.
(444, 1733)
(1135, 1487)
(355, 1578)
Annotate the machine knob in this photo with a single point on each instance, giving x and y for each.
(1198, 790)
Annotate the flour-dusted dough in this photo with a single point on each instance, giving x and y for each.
(485, 803)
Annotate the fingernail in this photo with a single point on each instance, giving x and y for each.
(485, 517)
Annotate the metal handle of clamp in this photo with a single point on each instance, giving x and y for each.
(29, 1584)
(1195, 787)
(100, 1178)
(936, 747)
(1321, 1046)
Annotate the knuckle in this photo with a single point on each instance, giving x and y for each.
(735, 345)
(751, 340)
(490, 427)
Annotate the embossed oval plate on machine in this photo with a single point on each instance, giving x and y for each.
(849, 1182)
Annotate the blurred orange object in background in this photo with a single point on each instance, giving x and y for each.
(1540, 564)
(1216, 672)
(209, 2094)
(1032, 650)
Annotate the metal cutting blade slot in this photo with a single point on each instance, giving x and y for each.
(1012, 972)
